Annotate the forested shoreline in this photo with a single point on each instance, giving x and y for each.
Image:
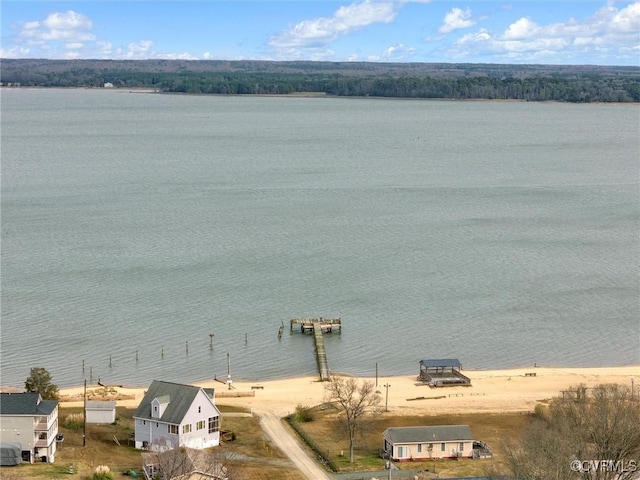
(563, 83)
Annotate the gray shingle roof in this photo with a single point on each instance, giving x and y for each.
(25, 404)
(442, 362)
(431, 434)
(101, 405)
(180, 399)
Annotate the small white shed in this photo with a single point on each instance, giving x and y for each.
(101, 411)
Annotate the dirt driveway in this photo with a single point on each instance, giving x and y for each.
(275, 430)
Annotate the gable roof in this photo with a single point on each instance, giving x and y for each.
(180, 398)
(25, 404)
(442, 362)
(431, 434)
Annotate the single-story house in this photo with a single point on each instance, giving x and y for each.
(30, 422)
(103, 412)
(428, 442)
(172, 415)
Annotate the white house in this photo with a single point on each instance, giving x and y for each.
(31, 422)
(424, 443)
(101, 412)
(173, 415)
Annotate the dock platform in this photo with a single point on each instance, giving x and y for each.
(319, 326)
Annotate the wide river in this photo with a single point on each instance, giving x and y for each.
(134, 225)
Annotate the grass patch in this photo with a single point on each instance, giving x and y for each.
(327, 433)
(251, 453)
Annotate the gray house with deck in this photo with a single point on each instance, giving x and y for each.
(428, 442)
(173, 415)
(29, 423)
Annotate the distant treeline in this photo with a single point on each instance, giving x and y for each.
(454, 81)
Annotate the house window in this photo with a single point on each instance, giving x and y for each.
(214, 424)
(200, 425)
(462, 446)
(199, 409)
(186, 428)
(430, 447)
(442, 447)
(419, 448)
(173, 429)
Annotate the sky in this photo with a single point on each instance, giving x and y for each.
(570, 32)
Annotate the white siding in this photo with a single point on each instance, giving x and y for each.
(21, 429)
(410, 451)
(101, 416)
(200, 411)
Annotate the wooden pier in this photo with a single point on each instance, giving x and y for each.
(319, 325)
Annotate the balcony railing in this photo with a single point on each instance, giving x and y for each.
(42, 442)
(41, 427)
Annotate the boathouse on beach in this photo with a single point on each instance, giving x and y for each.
(442, 372)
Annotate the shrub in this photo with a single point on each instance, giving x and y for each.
(74, 421)
(540, 411)
(303, 414)
(103, 472)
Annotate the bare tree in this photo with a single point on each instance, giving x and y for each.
(588, 433)
(356, 399)
(183, 461)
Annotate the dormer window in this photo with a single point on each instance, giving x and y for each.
(159, 405)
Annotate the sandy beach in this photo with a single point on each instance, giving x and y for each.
(490, 391)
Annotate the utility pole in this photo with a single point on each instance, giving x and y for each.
(228, 371)
(84, 416)
(386, 402)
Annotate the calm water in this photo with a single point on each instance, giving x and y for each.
(503, 234)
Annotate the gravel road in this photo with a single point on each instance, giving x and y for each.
(279, 435)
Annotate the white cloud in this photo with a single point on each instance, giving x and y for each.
(321, 31)
(69, 35)
(456, 19)
(398, 53)
(139, 49)
(15, 52)
(522, 29)
(609, 33)
(70, 27)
